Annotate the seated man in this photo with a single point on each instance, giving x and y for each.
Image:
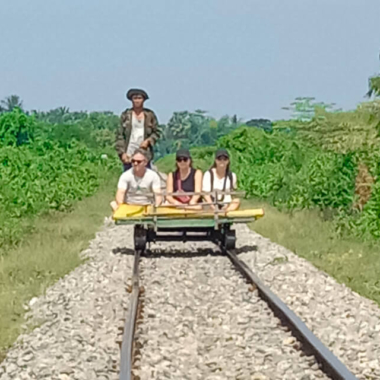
(136, 181)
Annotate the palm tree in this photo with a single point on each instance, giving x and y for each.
(10, 102)
(374, 86)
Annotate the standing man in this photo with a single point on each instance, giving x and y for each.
(138, 129)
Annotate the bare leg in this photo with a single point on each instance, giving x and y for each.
(194, 207)
(234, 205)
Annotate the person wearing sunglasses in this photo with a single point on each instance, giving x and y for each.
(220, 177)
(138, 128)
(185, 179)
(137, 181)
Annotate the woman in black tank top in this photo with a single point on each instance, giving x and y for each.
(184, 180)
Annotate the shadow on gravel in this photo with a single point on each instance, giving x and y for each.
(123, 251)
(181, 253)
(246, 249)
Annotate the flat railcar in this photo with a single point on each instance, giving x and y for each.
(184, 223)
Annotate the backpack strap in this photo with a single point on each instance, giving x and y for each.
(230, 176)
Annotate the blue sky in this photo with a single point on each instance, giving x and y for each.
(243, 57)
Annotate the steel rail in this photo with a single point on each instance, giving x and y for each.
(126, 355)
(330, 364)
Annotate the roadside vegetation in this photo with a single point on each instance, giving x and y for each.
(46, 255)
(56, 181)
(320, 226)
(316, 174)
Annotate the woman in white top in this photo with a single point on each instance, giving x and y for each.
(219, 177)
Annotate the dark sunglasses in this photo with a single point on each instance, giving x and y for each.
(184, 159)
(222, 158)
(137, 161)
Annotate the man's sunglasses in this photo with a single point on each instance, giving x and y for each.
(137, 162)
(184, 159)
(222, 158)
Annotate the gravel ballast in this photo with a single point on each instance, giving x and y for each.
(348, 324)
(201, 320)
(79, 318)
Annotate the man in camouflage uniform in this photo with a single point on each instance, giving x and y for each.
(138, 129)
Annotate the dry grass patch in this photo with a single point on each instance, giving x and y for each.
(46, 255)
(348, 260)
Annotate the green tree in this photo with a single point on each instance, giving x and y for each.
(303, 108)
(374, 86)
(343, 132)
(264, 124)
(10, 103)
(16, 128)
(189, 128)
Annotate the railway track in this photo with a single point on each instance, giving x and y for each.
(308, 342)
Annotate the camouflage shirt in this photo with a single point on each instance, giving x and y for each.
(123, 134)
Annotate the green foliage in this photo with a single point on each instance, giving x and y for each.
(94, 129)
(60, 115)
(192, 129)
(287, 172)
(374, 86)
(264, 124)
(16, 128)
(10, 103)
(343, 132)
(315, 165)
(49, 173)
(303, 108)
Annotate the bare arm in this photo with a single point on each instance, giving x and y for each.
(169, 189)
(235, 202)
(206, 187)
(234, 205)
(158, 197)
(209, 200)
(120, 196)
(197, 187)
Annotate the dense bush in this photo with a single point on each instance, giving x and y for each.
(319, 159)
(41, 175)
(290, 173)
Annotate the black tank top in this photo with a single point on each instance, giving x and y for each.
(188, 185)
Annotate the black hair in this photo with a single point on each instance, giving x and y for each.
(189, 158)
(176, 172)
(227, 167)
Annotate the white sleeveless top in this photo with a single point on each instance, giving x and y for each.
(218, 183)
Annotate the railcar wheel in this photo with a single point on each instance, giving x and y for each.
(229, 239)
(140, 238)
